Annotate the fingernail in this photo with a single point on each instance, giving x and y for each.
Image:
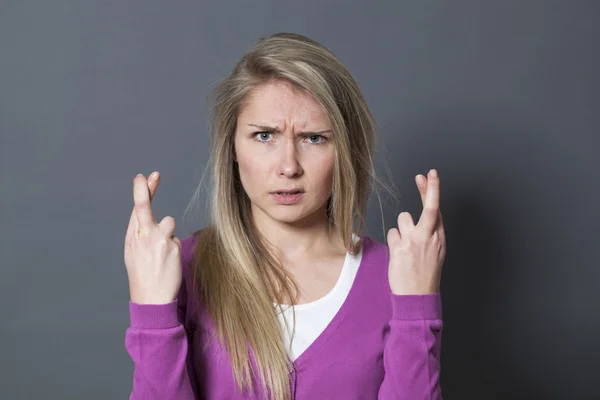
(420, 179)
(154, 175)
(434, 173)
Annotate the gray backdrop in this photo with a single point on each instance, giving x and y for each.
(502, 97)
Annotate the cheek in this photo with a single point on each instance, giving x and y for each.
(324, 172)
(252, 173)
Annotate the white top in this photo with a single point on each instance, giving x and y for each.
(313, 317)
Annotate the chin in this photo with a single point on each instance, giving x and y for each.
(290, 214)
(294, 214)
(287, 216)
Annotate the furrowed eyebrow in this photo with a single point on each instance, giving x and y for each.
(276, 129)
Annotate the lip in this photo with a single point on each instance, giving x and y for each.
(288, 191)
(285, 197)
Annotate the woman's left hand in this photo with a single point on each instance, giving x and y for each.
(417, 253)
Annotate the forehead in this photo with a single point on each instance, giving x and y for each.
(281, 103)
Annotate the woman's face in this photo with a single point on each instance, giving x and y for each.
(285, 153)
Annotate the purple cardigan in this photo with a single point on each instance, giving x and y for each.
(378, 346)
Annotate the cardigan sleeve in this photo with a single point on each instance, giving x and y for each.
(411, 355)
(157, 344)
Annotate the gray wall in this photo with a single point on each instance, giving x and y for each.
(502, 97)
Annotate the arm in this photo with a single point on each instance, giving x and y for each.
(158, 345)
(411, 355)
(156, 339)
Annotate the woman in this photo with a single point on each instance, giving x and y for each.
(291, 159)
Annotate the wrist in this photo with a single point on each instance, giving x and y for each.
(402, 290)
(153, 316)
(417, 307)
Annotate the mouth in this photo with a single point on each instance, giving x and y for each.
(288, 197)
(288, 192)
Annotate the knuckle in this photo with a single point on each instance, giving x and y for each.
(419, 237)
(142, 204)
(167, 223)
(410, 237)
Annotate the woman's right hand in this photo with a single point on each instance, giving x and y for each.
(152, 252)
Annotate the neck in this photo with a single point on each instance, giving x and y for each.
(313, 235)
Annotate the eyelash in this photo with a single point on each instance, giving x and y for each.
(323, 138)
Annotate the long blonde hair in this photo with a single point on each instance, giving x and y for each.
(236, 274)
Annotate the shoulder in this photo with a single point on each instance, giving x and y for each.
(186, 299)
(373, 269)
(375, 250)
(372, 288)
(189, 245)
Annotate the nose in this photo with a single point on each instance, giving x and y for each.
(289, 165)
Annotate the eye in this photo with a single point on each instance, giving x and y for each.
(262, 136)
(317, 139)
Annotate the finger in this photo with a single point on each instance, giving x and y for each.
(405, 223)
(422, 186)
(440, 228)
(441, 234)
(143, 207)
(432, 198)
(429, 216)
(167, 226)
(393, 237)
(177, 241)
(153, 182)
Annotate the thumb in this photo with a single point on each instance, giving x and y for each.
(393, 237)
(167, 226)
(176, 240)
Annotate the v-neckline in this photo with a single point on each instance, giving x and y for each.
(332, 326)
(328, 295)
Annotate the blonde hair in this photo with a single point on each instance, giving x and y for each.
(236, 274)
